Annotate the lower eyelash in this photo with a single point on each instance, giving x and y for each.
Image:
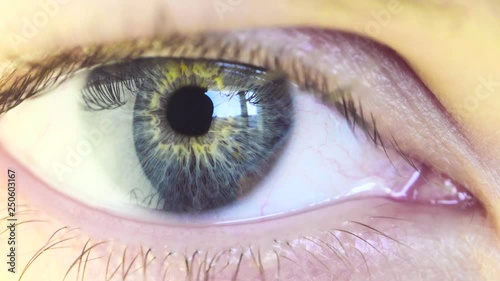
(125, 263)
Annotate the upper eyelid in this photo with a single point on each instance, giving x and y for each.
(216, 45)
(226, 46)
(52, 70)
(24, 78)
(323, 84)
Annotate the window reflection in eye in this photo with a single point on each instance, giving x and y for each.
(193, 151)
(319, 152)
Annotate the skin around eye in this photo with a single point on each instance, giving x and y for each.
(297, 238)
(437, 60)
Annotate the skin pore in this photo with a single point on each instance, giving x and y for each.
(451, 45)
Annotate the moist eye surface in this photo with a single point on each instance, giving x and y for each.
(204, 131)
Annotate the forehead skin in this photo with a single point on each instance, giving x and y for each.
(452, 45)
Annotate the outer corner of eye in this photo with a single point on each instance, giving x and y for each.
(177, 143)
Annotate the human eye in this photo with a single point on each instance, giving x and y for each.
(197, 134)
(372, 134)
(364, 237)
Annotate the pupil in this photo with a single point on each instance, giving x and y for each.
(189, 111)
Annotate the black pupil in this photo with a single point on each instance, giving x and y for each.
(189, 111)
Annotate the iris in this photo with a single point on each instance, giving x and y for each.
(205, 132)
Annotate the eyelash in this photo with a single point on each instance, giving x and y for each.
(201, 265)
(104, 89)
(54, 70)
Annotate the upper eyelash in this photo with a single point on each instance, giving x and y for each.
(55, 69)
(105, 86)
(39, 75)
(15, 87)
(105, 93)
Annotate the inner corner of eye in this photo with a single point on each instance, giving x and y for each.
(198, 138)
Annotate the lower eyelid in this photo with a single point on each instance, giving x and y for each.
(312, 244)
(343, 239)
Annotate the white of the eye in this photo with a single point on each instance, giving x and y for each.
(91, 157)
